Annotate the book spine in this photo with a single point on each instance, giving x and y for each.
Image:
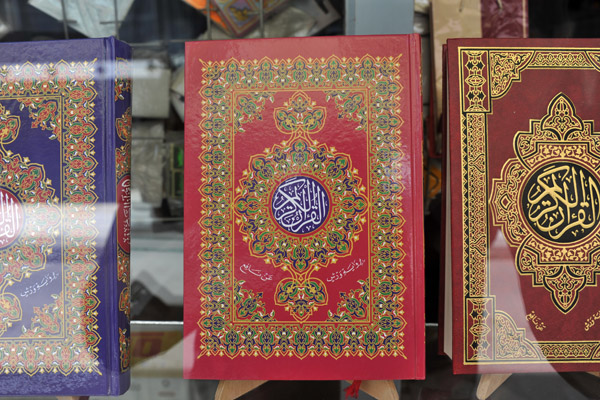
(121, 98)
(417, 181)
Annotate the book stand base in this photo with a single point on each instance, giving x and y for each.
(381, 390)
(488, 383)
(229, 390)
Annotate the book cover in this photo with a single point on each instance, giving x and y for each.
(525, 196)
(303, 232)
(65, 124)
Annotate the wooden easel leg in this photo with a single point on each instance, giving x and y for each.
(381, 390)
(489, 383)
(229, 390)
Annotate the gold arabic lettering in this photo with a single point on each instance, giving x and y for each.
(562, 202)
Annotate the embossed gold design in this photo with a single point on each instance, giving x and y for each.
(560, 202)
(506, 67)
(485, 76)
(536, 321)
(510, 341)
(476, 94)
(477, 217)
(561, 59)
(554, 223)
(570, 351)
(480, 338)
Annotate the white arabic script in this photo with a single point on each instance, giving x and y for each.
(46, 280)
(248, 269)
(10, 218)
(345, 271)
(300, 205)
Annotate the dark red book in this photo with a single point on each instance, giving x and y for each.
(303, 209)
(524, 205)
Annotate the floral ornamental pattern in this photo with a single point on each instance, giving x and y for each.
(47, 319)
(507, 67)
(72, 125)
(125, 301)
(44, 114)
(123, 139)
(123, 168)
(556, 250)
(124, 126)
(122, 78)
(554, 220)
(30, 218)
(289, 223)
(124, 349)
(297, 239)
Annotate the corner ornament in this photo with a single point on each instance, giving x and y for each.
(547, 202)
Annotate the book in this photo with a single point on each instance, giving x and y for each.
(237, 18)
(303, 230)
(523, 231)
(65, 124)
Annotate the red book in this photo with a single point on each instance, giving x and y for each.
(525, 205)
(303, 209)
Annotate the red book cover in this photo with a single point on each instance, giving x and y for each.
(525, 204)
(303, 209)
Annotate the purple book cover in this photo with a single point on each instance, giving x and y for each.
(65, 137)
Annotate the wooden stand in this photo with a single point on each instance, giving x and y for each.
(229, 390)
(489, 383)
(381, 390)
(72, 397)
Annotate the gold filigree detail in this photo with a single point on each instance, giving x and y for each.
(534, 149)
(511, 343)
(547, 202)
(560, 59)
(506, 67)
(564, 287)
(477, 255)
(480, 340)
(477, 94)
(569, 351)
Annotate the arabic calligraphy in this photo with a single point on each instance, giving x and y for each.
(45, 281)
(300, 205)
(356, 264)
(124, 210)
(536, 321)
(11, 218)
(248, 269)
(591, 321)
(562, 202)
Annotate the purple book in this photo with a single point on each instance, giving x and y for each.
(65, 138)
